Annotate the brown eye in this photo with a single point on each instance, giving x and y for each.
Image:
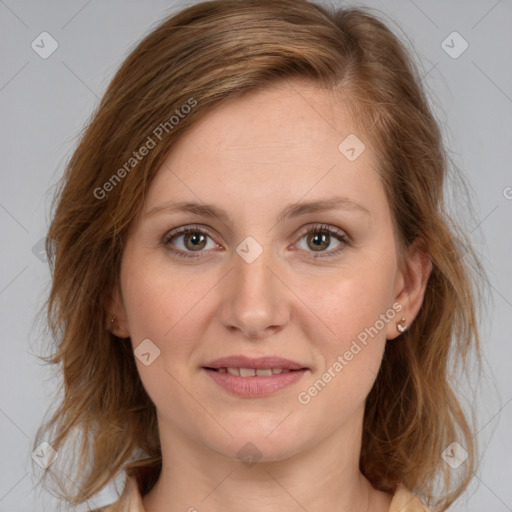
(188, 240)
(319, 238)
(318, 241)
(194, 241)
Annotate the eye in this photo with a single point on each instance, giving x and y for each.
(320, 237)
(194, 240)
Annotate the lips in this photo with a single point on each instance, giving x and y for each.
(273, 363)
(248, 377)
(252, 372)
(254, 386)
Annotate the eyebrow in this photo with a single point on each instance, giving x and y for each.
(292, 210)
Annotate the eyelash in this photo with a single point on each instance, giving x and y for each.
(319, 228)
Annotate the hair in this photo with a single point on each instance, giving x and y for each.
(202, 56)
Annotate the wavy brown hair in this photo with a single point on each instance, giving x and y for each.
(212, 52)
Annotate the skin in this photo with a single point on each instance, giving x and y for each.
(253, 156)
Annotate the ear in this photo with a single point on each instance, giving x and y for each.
(115, 310)
(410, 286)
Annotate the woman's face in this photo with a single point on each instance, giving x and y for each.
(253, 280)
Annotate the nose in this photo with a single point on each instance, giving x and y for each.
(255, 299)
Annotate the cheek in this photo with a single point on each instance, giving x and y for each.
(351, 349)
(164, 305)
(349, 331)
(165, 309)
(350, 300)
(156, 298)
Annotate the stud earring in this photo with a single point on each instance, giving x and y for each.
(401, 326)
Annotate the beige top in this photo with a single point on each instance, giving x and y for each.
(131, 501)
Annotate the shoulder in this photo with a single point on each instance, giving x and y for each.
(129, 501)
(113, 507)
(405, 501)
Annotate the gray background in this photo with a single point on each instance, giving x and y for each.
(45, 102)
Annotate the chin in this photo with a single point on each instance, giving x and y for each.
(253, 445)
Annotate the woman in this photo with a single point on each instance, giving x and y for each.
(256, 287)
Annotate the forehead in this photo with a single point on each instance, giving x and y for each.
(289, 139)
(284, 120)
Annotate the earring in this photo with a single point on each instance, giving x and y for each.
(112, 320)
(401, 326)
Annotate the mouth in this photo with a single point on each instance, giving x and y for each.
(248, 366)
(254, 377)
(250, 383)
(253, 372)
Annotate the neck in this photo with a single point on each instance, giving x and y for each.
(322, 477)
